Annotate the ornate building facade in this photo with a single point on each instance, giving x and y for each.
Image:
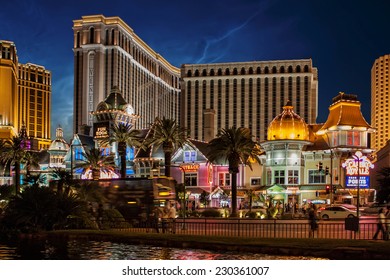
(245, 94)
(108, 53)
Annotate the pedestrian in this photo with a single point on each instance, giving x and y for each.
(313, 223)
(164, 218)
(387, 216)
(155, 217)
(172, 217)
(380, 225)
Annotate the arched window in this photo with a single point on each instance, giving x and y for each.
(107, 37)
(235, 71)
(196, 73)
(298, 69)
(212, 72)
(266, 70)
(91, 35)
(258, 70)
(227, 71)
(274, 71)
(281, 69)
(306, 69)
(250, 71)
(219, 72)
(189, 73)
(290, 69)
(112, 36)
(204, 73)
(243, 71)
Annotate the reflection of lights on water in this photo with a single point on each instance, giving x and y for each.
(103, 250)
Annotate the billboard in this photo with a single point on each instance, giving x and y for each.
(357, 171)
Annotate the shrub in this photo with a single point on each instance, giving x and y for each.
(211, 213)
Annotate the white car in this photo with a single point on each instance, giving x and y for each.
(337, 212)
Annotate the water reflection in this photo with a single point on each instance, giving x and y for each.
(101, 250)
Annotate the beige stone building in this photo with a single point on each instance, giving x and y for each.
(107, 53)
(380, 102)
(245, 94)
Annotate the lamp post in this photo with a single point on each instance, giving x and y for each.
(358, 159)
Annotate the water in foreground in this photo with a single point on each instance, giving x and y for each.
(101, 250)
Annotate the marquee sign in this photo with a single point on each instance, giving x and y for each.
(188, 168)
(357, 170)
(101, 130)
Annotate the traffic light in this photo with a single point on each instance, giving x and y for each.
(320, 166)
(334, 189)
(326, 170)
(327, 189)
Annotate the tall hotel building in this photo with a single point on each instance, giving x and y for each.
(107, 53)
(25, 93)
(380, 102)
(245, 94)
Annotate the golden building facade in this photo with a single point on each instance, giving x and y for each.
(380, 102)
(25, 92)
(246, 94)
(108, 54)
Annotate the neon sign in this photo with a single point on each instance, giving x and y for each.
(357, 170)
(190, 167)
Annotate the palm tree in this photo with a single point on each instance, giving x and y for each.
(30, 160)
(236, 147)
(124, 135)
(63, 178)
(96, 162)
(14, 153)
(168, 134)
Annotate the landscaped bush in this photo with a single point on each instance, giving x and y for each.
(211, 213)
(251, 215)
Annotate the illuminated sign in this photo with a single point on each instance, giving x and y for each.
(357, 170)
(352, 182)
(193, 167)
(101, 130)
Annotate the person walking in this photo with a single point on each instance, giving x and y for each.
(172, 217)
(380, 226)
(155, 216)
(313, 224)
(164, 218)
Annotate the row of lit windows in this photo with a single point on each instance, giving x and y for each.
(249, 71)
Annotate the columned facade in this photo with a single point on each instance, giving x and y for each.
(246, 94)
(108, 53)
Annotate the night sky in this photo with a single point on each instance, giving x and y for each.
(343, 38)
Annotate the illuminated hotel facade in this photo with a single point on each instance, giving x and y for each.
(380, 102)
(245, 94)
(25, 93)
(108, 54)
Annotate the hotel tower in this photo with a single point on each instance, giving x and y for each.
(245, 94)
(108, 54)
(380, 102)
(25, 93)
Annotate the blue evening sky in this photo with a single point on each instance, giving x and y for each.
(343, 38)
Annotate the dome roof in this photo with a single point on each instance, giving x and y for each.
(59, 143)
(288, 126)
(115, 101)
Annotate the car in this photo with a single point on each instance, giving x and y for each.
(337, 212)
(349, 206)
(374, 208)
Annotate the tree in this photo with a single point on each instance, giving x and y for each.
(30, 160)
(168, 134)
(94, 160)
(235, 146)
(63, 178)
(13, 151)
(124, 135)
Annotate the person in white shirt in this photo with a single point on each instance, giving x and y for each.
(172, 217)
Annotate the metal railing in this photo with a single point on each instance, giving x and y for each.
(254, 228)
